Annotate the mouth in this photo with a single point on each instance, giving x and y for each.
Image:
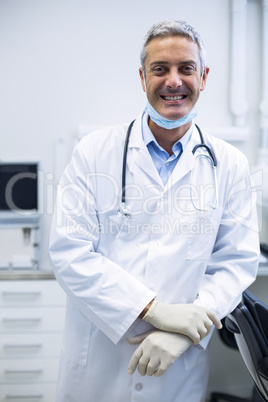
(173, 98)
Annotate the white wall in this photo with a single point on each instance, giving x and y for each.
(66, 63)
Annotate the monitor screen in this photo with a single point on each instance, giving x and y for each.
(18, 186)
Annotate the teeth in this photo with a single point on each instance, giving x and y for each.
(173, 97)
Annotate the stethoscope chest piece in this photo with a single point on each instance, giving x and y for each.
(124, 211)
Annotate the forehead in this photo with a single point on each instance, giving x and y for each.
(171, 49)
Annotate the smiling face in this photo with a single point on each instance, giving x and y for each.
(173, 78)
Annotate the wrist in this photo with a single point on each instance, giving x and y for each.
(144, 311)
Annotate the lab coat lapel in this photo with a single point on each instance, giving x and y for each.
(186, 162)
(138, 154)
(145, 162)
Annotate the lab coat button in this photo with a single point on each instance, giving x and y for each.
(138, 386)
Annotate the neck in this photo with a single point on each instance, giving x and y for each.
(167, 138)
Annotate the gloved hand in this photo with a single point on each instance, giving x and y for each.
(157, 351)
(188, 319)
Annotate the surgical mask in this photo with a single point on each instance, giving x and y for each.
(166, 123)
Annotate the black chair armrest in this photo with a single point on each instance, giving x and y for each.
(263, 368)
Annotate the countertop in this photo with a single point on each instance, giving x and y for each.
(16, 274)
(35, 274)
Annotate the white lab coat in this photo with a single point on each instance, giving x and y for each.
(112, 267)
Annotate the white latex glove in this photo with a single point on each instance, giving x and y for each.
(157, 351)
(188, 319)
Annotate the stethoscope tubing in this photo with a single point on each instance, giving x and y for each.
(123, 198)
(203, 145)
(196, 147)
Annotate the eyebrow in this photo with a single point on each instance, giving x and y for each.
(162, 62)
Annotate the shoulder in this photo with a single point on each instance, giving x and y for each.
(232, 164)
(103, 139)
(225, 152)
(100, 147)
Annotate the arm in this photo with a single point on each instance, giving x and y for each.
(231, 268)
(146, 309)
(107, 294)
(234, 261)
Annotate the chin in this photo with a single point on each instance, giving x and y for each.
(174, 115)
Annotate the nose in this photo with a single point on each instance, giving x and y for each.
(173, 80)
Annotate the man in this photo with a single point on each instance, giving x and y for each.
(147, 278)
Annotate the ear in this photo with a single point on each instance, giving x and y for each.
(142, 79)
(204, 78)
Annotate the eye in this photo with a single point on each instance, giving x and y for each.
(188, 69)
(158, 70)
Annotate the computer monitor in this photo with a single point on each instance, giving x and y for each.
(18, 186)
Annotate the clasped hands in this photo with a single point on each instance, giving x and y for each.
(178, 327)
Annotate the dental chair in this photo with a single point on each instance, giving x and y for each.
(246, 328)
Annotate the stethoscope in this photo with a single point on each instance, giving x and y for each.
(125, 210)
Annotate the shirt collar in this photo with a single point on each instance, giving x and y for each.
(148, 136)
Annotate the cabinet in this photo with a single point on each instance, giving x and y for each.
(31, 325)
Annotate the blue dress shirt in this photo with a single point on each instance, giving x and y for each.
(163, 162)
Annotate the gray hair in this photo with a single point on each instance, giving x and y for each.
(173, 28)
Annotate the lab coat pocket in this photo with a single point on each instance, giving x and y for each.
(76, 335)
(202, 233)
(122, 228)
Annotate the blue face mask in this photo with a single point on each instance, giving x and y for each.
(169, 124)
